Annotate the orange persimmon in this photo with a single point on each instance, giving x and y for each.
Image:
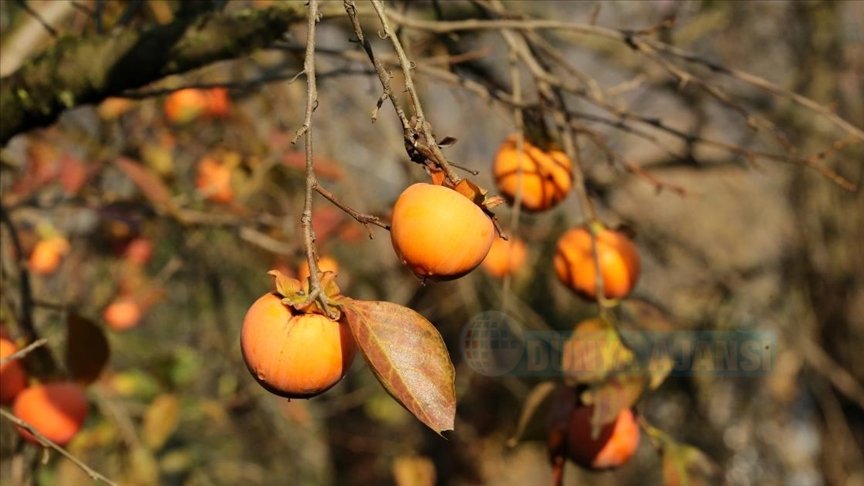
(13, 378)
(575, 265)
(325, 264)
(294, 355)
(616, 443)
(185, 105)
(56, 410)
(439, 233)
(47, 255)
(544, 176)
(214, 180)
(505, 257)
(122, 314)
(218, 102)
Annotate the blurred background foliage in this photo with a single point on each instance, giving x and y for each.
(748, 245)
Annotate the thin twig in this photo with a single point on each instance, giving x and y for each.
(621, 122)
(22, 352)
(542, 79)
(383, 75)
(25, 320)
(311, 180)
(635, 40)
(96, 476)
(36, 16)
(652, 49)
(761, 83)
(519, 122)
(421, 124)
(365, 219)
(417, 132)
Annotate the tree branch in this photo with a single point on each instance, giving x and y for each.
(43, 357)
(46, 442)
(81, 70)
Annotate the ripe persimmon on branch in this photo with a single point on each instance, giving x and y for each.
(207, 176)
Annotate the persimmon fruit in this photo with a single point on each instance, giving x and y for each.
(122, 314)
(615, 444)
(185, 105)
(47, 255)
(618, 260)
(13, 378)
(113, 108)
(218, 102)
(214, 180)
(439, 233)
(544, 176)
(505, 257)
(325, 264)
(139, 251)
(56, 410)
(294, 355)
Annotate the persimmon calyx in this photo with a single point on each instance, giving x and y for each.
(299, 296)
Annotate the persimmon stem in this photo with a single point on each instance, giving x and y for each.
(311, 179)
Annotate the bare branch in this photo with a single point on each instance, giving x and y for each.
(23, 352)
(365, 219)
(87, 69)
(311, 180)
(25, 321)
(94, 475)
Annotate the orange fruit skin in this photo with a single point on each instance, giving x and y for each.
(185, 105)
(439, 233)
(616, 443)
(545, 175)
(325, 264)
(214, 180)
(294, 356)
(138, 251)
(47, 255)
(618, 257)
(56, 410)
(13, 378)
(505, 257)
(112, 108)
(218, 102)
(122, 314)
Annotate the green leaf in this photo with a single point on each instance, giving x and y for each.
(683, 465)
(409, 358)
(160, 421)
(143, 468)
(87, 350)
